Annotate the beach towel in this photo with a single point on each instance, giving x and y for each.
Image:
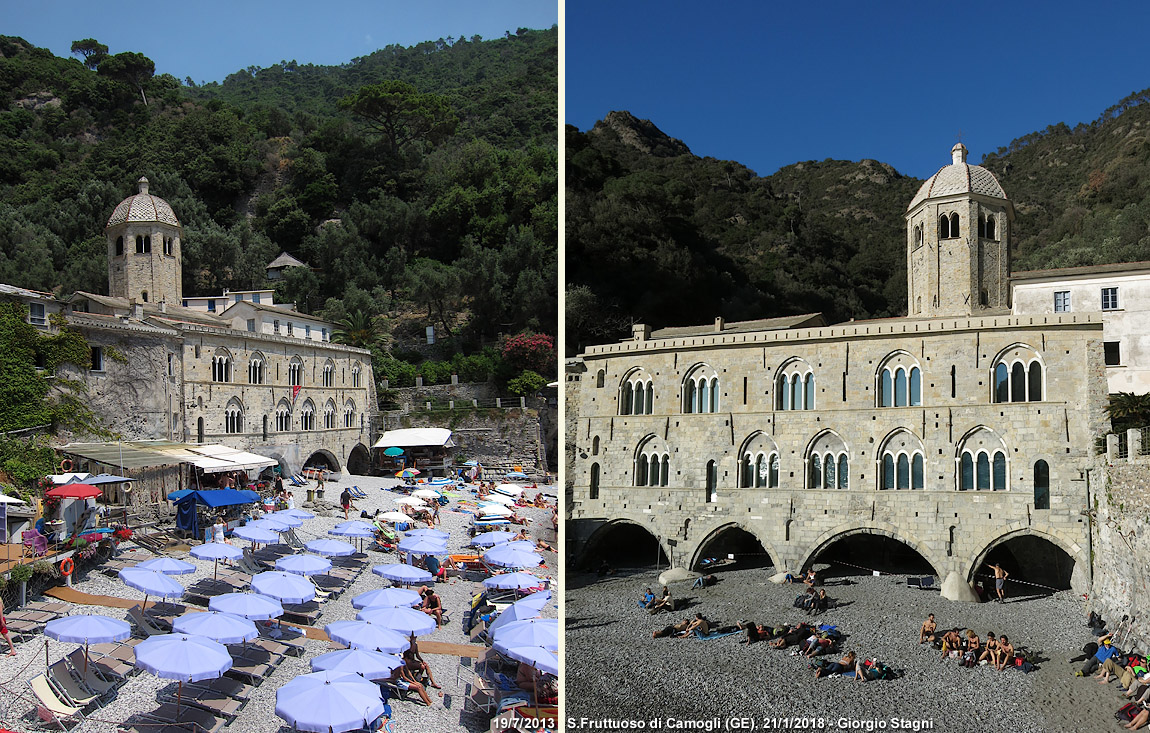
(716, 635)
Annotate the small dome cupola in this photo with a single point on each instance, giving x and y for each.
(143, 184)
(957, 156)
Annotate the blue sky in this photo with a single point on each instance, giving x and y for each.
(773, 83)
(209, 39)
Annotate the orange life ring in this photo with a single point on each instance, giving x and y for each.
(67, 565)
(63, 468)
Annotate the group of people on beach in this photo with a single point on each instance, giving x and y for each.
(1132, 670)
(965, 645)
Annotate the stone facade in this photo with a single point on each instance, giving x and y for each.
(690, 432)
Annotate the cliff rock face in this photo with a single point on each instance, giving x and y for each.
(642, 135)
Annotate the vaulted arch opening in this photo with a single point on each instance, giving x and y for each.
(861, 553)
(623, 544)
(359, 460)
(322, 459)
(731, 543)
(1036, 566)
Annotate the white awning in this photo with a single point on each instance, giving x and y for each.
(416, 437)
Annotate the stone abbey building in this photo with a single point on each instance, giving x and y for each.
(957, 430)
(236, 369)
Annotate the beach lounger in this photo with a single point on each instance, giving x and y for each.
(301, 613)
(51, 707)
(232, 688)
(90, 678)
(204, 721)
(60, 609)
(247, 671)
(69, 687)
(20, 629)
(146, 627)
(212, 701)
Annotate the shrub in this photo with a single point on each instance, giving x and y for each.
(527, 383)
(21, 573)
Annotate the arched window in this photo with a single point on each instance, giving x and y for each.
(902, 461)
(888, 471)
(595, 446)
(652, 463)
(954, 225)
(355, 372)
(265, 432)
(641, 474)
(665, 471)
(701, 390)
(981, 225)
(816, 472)
(998, 476)
(759, 465)
(200, 430)
(295, 372)
(594, 481)
(899, 382)
(916, 472)
(256, 369)
(795, 385)
(234, 418)
(796, 392)
(329, 415)
(626, 399)
(349, 414)
(650, 402)
(307, 416)
(328, 377)
(636, 394)
(828, 465)
(809, 391)
(600, 378)
(144, 295)
(983, 462)
(1018, 375)
(283, 417)
(773, 472)
(966, 473)
(944, 227)
(982, 472)
(222, 366)
(119, 246)
(1041, 485)
(991, 228)
(903, 481)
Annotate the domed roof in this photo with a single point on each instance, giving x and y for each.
(958, 177)
(143, 207)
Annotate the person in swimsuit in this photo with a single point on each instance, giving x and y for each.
(1000, 577)
(699, 627)
(927, 630)
(846, 664)
(1005, 653)
(990, 651)
(415, 663)
(433, 606)
(951, 641)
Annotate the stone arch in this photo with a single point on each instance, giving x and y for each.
(698, 554)
(1079, 576)
(323, 457)
(602, 533)
(359, 460)
(828, 538)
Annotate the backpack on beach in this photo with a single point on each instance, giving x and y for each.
(1127, 712)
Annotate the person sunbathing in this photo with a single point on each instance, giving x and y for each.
(817, 603)
(791, 637)
(990, 651)
(521, 536)
(703, 581)
(1005, 653)
(415, 663)
(404, 680)
(927, 631)
(665, 602)
(648, 599)
(846, 664)
(542, 546)
(699, 628)
(819, 644)
(754, 631)
(540, 502)
(1139, 720)
(671, 629)
(951, 642)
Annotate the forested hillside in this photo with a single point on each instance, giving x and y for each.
(658, 235)
(418, 182)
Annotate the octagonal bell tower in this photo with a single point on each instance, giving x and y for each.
(958, 242)
(143, 236)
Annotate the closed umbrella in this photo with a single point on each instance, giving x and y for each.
(329, 702)
(303, 564)
(513, 581)
(225, 628)
(542, 632)
(167, 566)
(369, 664)
(255, 534)
(84, 629)
(423, 546)
(387, 598)
(512, 558)
(331, 548)
(490, 539)
(400, 573)
(406, 621)
(428, 533)
(248, 605)
(151, 583)
(182, 657)
(284, 587)
(216, 551)
(364, 635)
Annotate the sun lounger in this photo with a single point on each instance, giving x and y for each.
(212, 701)
(89, 677)
(146, 627)
(231, 688)
(51, 707)
(301, 613)
(20, 629)
(167, 713)
(59, 609)
(68, 687)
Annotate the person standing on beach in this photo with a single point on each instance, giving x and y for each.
(1000, 577)
(4, 630)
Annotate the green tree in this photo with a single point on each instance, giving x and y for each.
(402, 114)
(358, 328)
(435, 285)
(91, 50)
(134, 69)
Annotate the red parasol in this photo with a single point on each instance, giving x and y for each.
(74, 491)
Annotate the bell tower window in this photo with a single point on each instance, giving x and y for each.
(944, 227)
(954, 226)
(119, 246)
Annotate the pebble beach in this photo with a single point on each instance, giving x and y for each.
(142, 690)
(615, 670)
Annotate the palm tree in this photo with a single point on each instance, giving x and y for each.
(358, 329)
(1128, 410)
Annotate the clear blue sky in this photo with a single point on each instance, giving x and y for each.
(209, 39)
(771, 83)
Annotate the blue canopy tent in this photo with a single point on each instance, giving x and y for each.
(186, 501)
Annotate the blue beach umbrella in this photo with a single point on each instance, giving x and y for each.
(353, 529)
(329, 702)
(289, 519)
(490, 539)
(406, 621)
(331, 548)
(303, 564)
(365, 635)
(387, 598)
(366, 663)
(255, 534)
(248, 605)
(428, 534)
(516, 475)
(184, 658)
(513, 580)
(542, 632)
(538, 657)
(400, 573)
(512, 558)
(423, 546)
(167, 566)
(271, 525)
(84, 629)
(535, 600)
(511, 614)
(222, 627)
(284, 587)
(297, 513)
(216, 551)
(151, 583)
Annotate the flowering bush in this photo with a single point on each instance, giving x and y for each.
(120, 532)
(530, 351)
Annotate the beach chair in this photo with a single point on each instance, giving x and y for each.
(91, 677)
(68, 687)
(50, 707)
(35, 544)
(187, 716)
(207, 699)
(232, 688)
(146, 627)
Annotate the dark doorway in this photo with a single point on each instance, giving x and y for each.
(359, 462)
(863, 553)
(623, 544)
(1036, 566)
(716, 552)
